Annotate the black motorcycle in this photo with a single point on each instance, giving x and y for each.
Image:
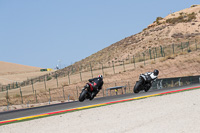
(143, 84)
(86, 92)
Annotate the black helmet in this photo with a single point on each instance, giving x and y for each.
(156, 72)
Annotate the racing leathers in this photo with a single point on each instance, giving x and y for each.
(148, 78)
(97, 84)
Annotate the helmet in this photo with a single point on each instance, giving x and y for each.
(156, 72)
(100, 76)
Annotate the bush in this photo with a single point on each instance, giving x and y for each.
(157, 20)
(182, 18)
(191, 17)
(175, 20)
(194, 5)
(49, 78)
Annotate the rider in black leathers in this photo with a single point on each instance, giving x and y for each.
(97, 84)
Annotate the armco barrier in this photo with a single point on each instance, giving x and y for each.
(174, 82)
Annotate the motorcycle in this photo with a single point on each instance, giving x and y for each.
(143, 84)
(86, 92)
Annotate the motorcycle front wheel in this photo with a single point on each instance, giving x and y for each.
(137, 87)
(82, 95)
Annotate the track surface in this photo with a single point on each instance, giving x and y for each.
(69, 105)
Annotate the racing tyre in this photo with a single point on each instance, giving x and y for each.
(82, 95)
(136, 88)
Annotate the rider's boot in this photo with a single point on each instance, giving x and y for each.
(94, 93)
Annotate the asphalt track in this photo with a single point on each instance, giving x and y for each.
(47, 110)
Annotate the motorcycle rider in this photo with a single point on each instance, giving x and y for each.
(149, 77)
(97, 84)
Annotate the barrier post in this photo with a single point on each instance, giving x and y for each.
(36, 97)
(188, 45)
(68, 97)
(7, 97)
(144, 58)
(21, 94)
(63, 93)
(32, 85)
(102, 70)
(72, 69)
(77, 91)
(182, 46)
(49, 95)
(164, 51)
(91, 69)
(161, 51)
(156, 52)
(80, 73)
(113, 67)
(17, 85)
(124, 66)
(80, 76)
(68, 78)
(150, 54)
(134, 61)
(45, 83)
(57, 79)
(103, 92)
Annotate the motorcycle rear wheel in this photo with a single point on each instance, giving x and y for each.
(82, 95)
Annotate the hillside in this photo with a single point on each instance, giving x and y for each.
(11, 72)
(177, 27)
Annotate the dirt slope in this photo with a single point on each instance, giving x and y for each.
(177, 27)
(12, 68)
(11, 72)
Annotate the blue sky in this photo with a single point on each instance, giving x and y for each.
(41, 32)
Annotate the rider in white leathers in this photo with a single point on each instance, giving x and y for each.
(149, 77)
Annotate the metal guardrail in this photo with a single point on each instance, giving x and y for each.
(174, 82)
(162, 83)
(116, 89)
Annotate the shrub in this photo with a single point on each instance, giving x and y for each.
(181, 13)
(194, 5)
(175, 20)
(49, 78)
(182, 18)
(191, 16)
(157, 20)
